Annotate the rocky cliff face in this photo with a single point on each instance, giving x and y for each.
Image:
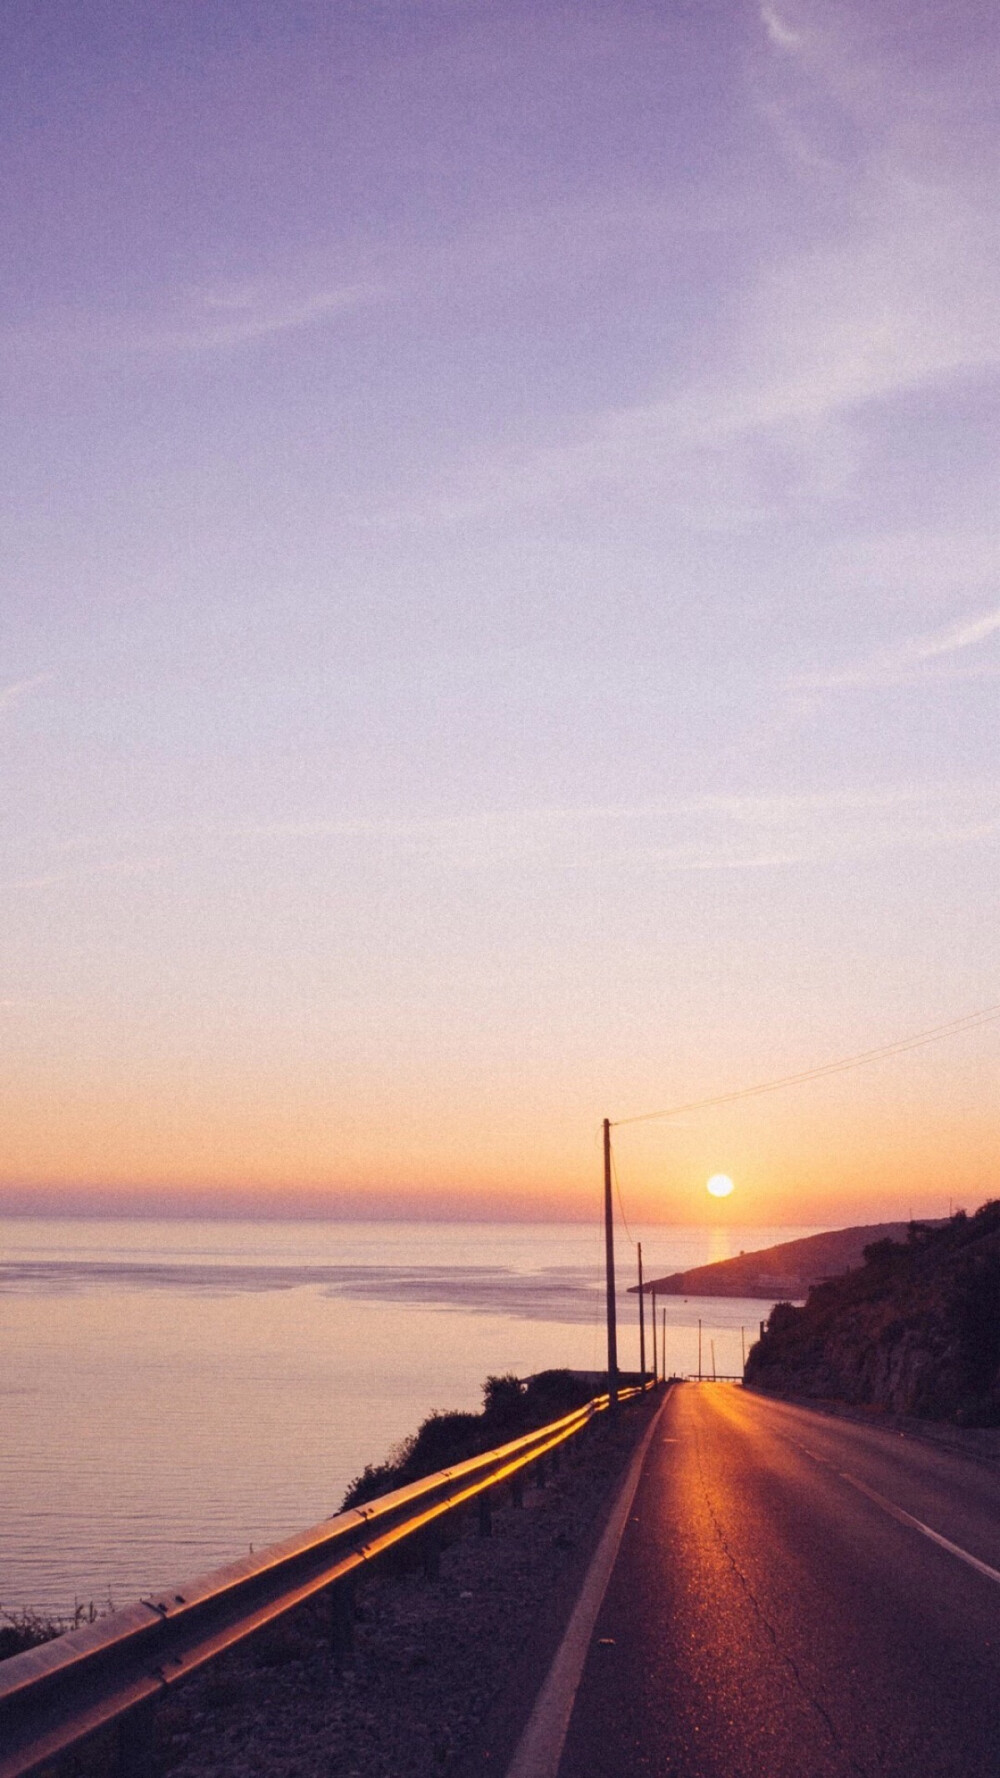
(915, 1329)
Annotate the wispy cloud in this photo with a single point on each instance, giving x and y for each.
(719, 831)
(197, 320)
(893, 290)
(964, 635)
(20, 688)
(31, 1003)
(915, 661)
(905, 301)
(785, 36)
(223, 318)
(116, 867)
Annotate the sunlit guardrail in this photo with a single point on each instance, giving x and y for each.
(57, 1696)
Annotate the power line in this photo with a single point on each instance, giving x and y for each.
(621, 1205)
(935, 1034)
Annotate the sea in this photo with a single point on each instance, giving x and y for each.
(174, 1394)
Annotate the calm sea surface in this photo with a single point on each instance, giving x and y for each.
(172, 1393)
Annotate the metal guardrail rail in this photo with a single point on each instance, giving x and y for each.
(56, 1697)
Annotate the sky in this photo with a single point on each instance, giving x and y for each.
(500, 606)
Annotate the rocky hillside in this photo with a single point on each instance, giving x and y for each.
(783, 1271)
(915, 1329)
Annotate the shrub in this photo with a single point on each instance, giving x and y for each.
(510, 1407)
(22, 1630)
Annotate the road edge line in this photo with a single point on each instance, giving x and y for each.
(539, 1750)
(904, 1518)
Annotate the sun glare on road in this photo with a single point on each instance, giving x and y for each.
(720, 1185)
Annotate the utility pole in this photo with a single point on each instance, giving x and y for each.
(642, 1320)
(663, 1345)
(699, 1348)
(656, 1368)
(609, 1266)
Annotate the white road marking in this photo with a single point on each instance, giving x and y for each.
(901, 1516)
(905, 1518)
(539, 1750)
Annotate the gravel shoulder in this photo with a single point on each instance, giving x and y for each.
(444, 1670)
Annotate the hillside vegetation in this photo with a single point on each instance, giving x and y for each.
(915, 1329)
(510, 1407)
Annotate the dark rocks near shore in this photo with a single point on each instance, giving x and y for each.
(915, 1330)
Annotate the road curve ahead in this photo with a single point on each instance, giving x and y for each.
(795, 1596)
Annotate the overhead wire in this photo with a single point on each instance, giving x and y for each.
(618, 1193)
(934, 1034)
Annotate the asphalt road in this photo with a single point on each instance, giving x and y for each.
(775, 1610)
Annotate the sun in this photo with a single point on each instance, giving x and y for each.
(720, 1185)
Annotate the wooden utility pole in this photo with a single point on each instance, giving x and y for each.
(609, 1267)
(656, 1368)
(642, 1319)
(699, 1348)
(663, 1345)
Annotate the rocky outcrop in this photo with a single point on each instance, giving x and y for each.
(914, 1330)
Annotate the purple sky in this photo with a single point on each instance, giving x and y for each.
(500, 606)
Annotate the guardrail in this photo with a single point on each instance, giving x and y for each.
(55, 1697)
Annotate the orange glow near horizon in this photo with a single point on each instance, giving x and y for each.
(444, 705)
(841, 1154)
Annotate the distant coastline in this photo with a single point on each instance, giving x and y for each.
(785, 1272)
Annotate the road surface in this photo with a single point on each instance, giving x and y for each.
(779, 1609)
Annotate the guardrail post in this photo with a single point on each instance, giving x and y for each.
(342, 1617)
(320, 1565)
(134, 1752)
(432, 1553)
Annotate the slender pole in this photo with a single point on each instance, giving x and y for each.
(642, 1319)
(699, 1348)
(609, 1266)
(663, 1345)
(656, 1368)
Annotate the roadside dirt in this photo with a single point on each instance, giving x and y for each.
(444, 1670)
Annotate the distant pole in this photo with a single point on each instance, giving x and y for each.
(712, 1344)
(663, 1345)
(699, 1348)
(656, 1368)
(609, 1268)
(642, 1319)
